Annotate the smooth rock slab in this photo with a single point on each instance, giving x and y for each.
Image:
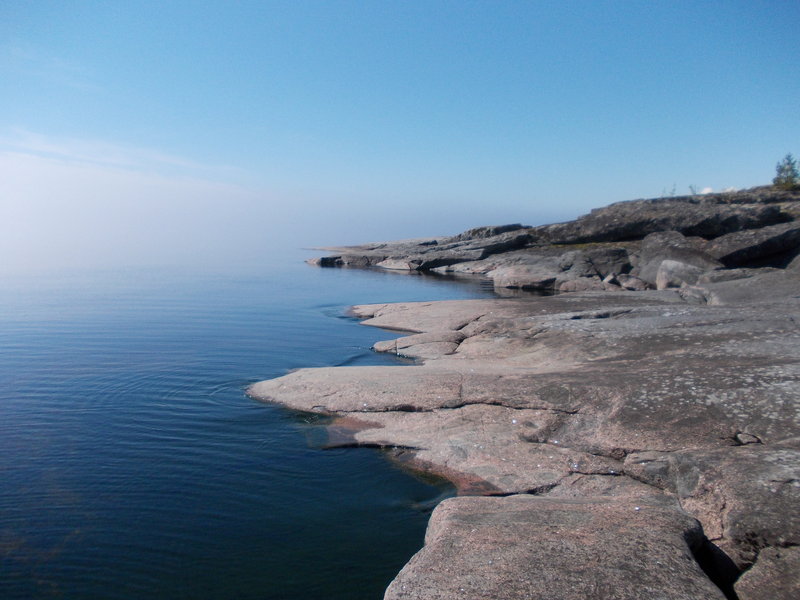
(362, 389)
(703, 400)
(495, 445)
(542, 548)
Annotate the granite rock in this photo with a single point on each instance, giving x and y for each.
(529, 547)
(644, 443)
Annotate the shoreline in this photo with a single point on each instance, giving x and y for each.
(614, 443)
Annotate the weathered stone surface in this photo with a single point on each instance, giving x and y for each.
(670, 245)
(692, 216)
(673, 273)
(535, 277)
(581, 284)
(746, 496)
(361, 389)
(578, 263)
(479, 233)
(609, 259)
(399, 264)
(419, 317)
(774, 246)
(629, 282)
(759, 288)
(773, 577)
(528, 547)
(348, 260)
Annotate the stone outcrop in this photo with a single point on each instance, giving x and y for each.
(751, 228)
(611, 442)
(779, 243)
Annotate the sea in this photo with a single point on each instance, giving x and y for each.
(133, 465)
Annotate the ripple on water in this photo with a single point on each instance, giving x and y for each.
(133, 464)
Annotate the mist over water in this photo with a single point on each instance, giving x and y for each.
(79, 210)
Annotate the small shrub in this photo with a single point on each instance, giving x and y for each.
(787, 176)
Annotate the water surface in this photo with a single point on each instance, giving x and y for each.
(134, 466)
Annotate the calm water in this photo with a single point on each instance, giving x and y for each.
(132, 465)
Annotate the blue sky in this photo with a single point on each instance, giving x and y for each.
(171, 132)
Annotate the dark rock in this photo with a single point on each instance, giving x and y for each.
(607, 260)
(692, 216)
(479, 233)
(577, 263)
(670, 245)
(773, 246)
(347, 260)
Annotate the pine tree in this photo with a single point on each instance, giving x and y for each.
(786, 174)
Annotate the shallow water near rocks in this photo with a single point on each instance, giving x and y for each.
(133, 464)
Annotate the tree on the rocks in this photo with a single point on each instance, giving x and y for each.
(786, 174)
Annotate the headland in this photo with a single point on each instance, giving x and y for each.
(635, 435)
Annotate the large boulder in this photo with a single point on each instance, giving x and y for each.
(760, 287)
(775, 246)
(673, 273)
(540, 275)
(670, 245)
(609, 260)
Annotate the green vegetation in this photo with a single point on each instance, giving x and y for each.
(787, 176)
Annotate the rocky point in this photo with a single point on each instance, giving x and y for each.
(635, 435)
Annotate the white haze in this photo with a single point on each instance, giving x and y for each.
(78, 204)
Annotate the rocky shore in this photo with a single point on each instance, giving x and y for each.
(636, 437)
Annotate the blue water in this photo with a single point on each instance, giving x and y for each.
(132, 465)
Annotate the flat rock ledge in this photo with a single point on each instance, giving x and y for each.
(623, 446)
(630, 445)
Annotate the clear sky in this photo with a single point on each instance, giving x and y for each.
(173, 132)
